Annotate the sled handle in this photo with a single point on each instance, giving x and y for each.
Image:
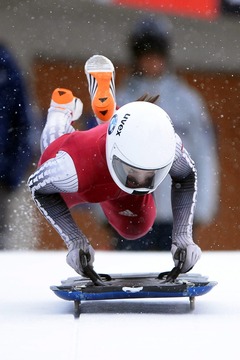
(173, 274)
(88, 270)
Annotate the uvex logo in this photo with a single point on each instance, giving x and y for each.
(123, 121)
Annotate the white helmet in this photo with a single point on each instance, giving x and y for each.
(140, 147)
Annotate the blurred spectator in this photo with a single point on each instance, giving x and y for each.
(152, 73)
(14, 135)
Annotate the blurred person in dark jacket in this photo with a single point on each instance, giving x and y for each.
(15, 145)
(152, 72)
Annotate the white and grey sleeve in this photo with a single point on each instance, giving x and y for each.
(55, 176)
(184, 191)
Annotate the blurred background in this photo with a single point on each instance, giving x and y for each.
(52, 40)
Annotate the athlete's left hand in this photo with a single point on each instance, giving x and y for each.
(193, 254)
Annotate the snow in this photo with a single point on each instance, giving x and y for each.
(36, 324)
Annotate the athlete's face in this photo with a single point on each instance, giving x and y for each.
(137, 178)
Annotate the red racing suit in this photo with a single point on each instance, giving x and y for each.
(73, 170)
(131, 215)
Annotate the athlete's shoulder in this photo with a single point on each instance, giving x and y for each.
(75, 141)
(96, 131)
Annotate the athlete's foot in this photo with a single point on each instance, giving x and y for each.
(100, 75)
(63, 100)
(64, 109)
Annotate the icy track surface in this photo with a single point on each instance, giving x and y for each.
(35, 324)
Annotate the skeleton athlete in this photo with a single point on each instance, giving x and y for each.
(117, 164)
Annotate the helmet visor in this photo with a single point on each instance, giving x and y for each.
(133, 177)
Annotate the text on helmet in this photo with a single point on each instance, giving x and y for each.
(120, 126)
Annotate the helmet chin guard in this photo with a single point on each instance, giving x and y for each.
(140, 147)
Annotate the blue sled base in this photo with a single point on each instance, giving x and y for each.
(132, 286)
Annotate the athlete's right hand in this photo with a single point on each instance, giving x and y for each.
(73, 256)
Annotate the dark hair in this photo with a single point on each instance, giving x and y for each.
(148, 98)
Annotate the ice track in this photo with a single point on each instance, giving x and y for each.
(35, 324)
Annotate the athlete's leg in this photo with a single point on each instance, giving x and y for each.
(131, 216)
(64, 108)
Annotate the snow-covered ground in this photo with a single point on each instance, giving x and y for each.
(35, 324)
